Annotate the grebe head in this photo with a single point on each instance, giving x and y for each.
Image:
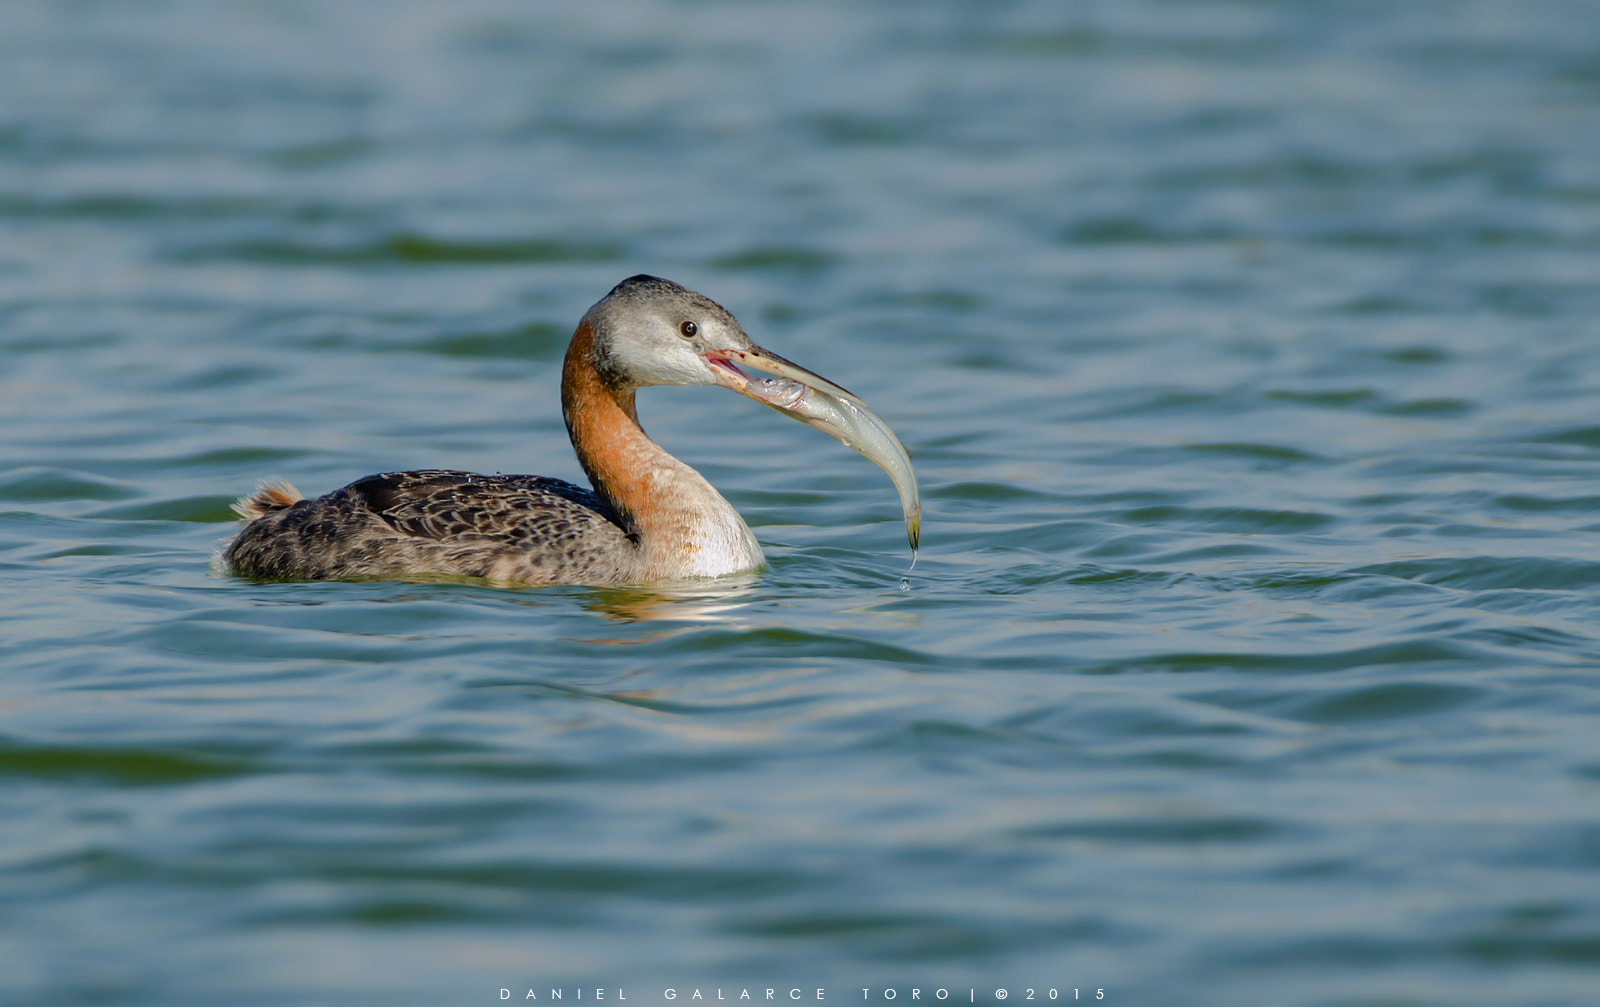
(650, 331)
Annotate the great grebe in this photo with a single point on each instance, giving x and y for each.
(649, 517)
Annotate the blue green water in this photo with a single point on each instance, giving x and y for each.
(1249, 353)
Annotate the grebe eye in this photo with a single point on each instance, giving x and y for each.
(688, 329)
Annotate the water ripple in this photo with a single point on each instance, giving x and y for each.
(1248, 357)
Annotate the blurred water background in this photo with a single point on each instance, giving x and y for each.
(1249, 353)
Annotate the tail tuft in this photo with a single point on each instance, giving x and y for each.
(274, 494)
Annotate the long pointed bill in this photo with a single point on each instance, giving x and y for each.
(818, 402)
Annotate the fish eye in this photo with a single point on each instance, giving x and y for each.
(688, 329)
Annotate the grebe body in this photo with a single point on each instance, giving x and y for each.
(649, 517)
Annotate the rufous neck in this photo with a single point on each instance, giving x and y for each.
(681, 525)
(604, 427)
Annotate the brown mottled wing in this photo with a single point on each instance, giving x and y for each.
(520, 512)
(404, 524)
